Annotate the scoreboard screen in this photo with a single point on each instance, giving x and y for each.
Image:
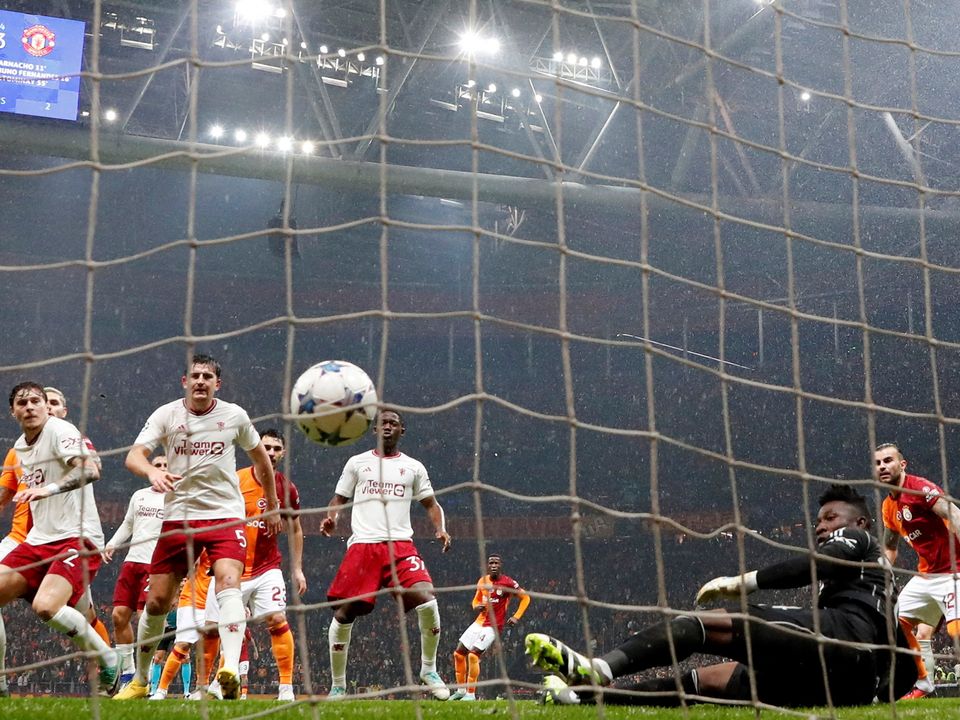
(39, 64)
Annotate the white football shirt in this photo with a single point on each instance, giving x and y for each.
(141, 525)
(382, 489)
(200, 448)
(46, 460)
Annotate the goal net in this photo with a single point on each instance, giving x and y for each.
(643, 277)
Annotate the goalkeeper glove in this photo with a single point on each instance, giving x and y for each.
(727, 587)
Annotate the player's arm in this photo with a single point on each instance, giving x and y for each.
(523, 600)
(83, 470)
(268, 481)
(329, 523)
(6, 494)
(435, 513)
(950, 514)
(137, 463)
(123, 533)
(891, 543)
(295, 529)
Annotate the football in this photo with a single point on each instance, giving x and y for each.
(335, 402)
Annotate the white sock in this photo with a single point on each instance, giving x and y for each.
(149, 630)
(71, 623)
(127, 665)
(929, 661)
(339, 639)
(3, 653)
(233, 623)
(428, 616)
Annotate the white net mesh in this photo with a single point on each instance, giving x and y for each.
(641, 275)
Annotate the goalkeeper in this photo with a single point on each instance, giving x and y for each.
(779, 644)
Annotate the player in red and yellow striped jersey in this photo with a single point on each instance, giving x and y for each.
(494, 592)
(262, 584)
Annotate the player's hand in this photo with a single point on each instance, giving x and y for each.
(31, 494)
(727, 587)
(444, 537)
(511, 621)
(300, 582)
(273, 521)
(328, 525)
(107, 554)
(162, 481)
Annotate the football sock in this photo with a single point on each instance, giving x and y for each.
(101, 630)
(127, 666)
(71, 623)
(149, 630)
(186, 675)
(914, 645)
(233, 622)
(460, 666)
(175, 660)
(473, 674)
(339, 639)
(926, 653)
(211, 646)
(281, 640)
(651, 647)
(428, 616)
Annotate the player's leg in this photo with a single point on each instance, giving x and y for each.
(6, 545)
(480, 640)
(12, 586)
(233, 623)
(266, 595)
(918, 604)
(150, 629)
(420, 598)
(460, 664)
(338, 641)
(177, 657)
(51, 605)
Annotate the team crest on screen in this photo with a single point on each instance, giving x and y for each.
(38, 40)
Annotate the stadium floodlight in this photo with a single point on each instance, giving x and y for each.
(595, 63)
(381, 60)
(471, 83)
(515, 92)
(216, 131)
(110, 115)
(805, 96)
(558, 56)
(284, 144)
(262, 140)
(254, 10)
(324, 49)
(307, 148)
(572, 59)
(303, 46)
(361, 57)
(538, 98)
(472, 43)
(584, 62)
(219, 29)
(280, 13)
(341, 52)
(240, 135)
(492, 88)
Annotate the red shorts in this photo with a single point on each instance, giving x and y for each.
(222, 542)
(131, 588)
(366, 568)
(63, 557)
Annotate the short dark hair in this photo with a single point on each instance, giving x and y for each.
(204, 359)
(28, 385)
(846, 494)
(272, 432)
(395, 412)
(886, 445)
(491, 556)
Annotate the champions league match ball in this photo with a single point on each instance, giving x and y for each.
(336, 402)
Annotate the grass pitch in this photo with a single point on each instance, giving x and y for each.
(78, 708)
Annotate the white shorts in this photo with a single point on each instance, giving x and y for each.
(6, 545)
(190, 621)
(478, 637)
(264, 594)
(927, 598)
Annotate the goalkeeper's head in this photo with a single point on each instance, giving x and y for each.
(841, 506)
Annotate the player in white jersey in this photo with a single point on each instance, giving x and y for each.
(198, 434)
(141, 527)
(380, 553)
(61, 554)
